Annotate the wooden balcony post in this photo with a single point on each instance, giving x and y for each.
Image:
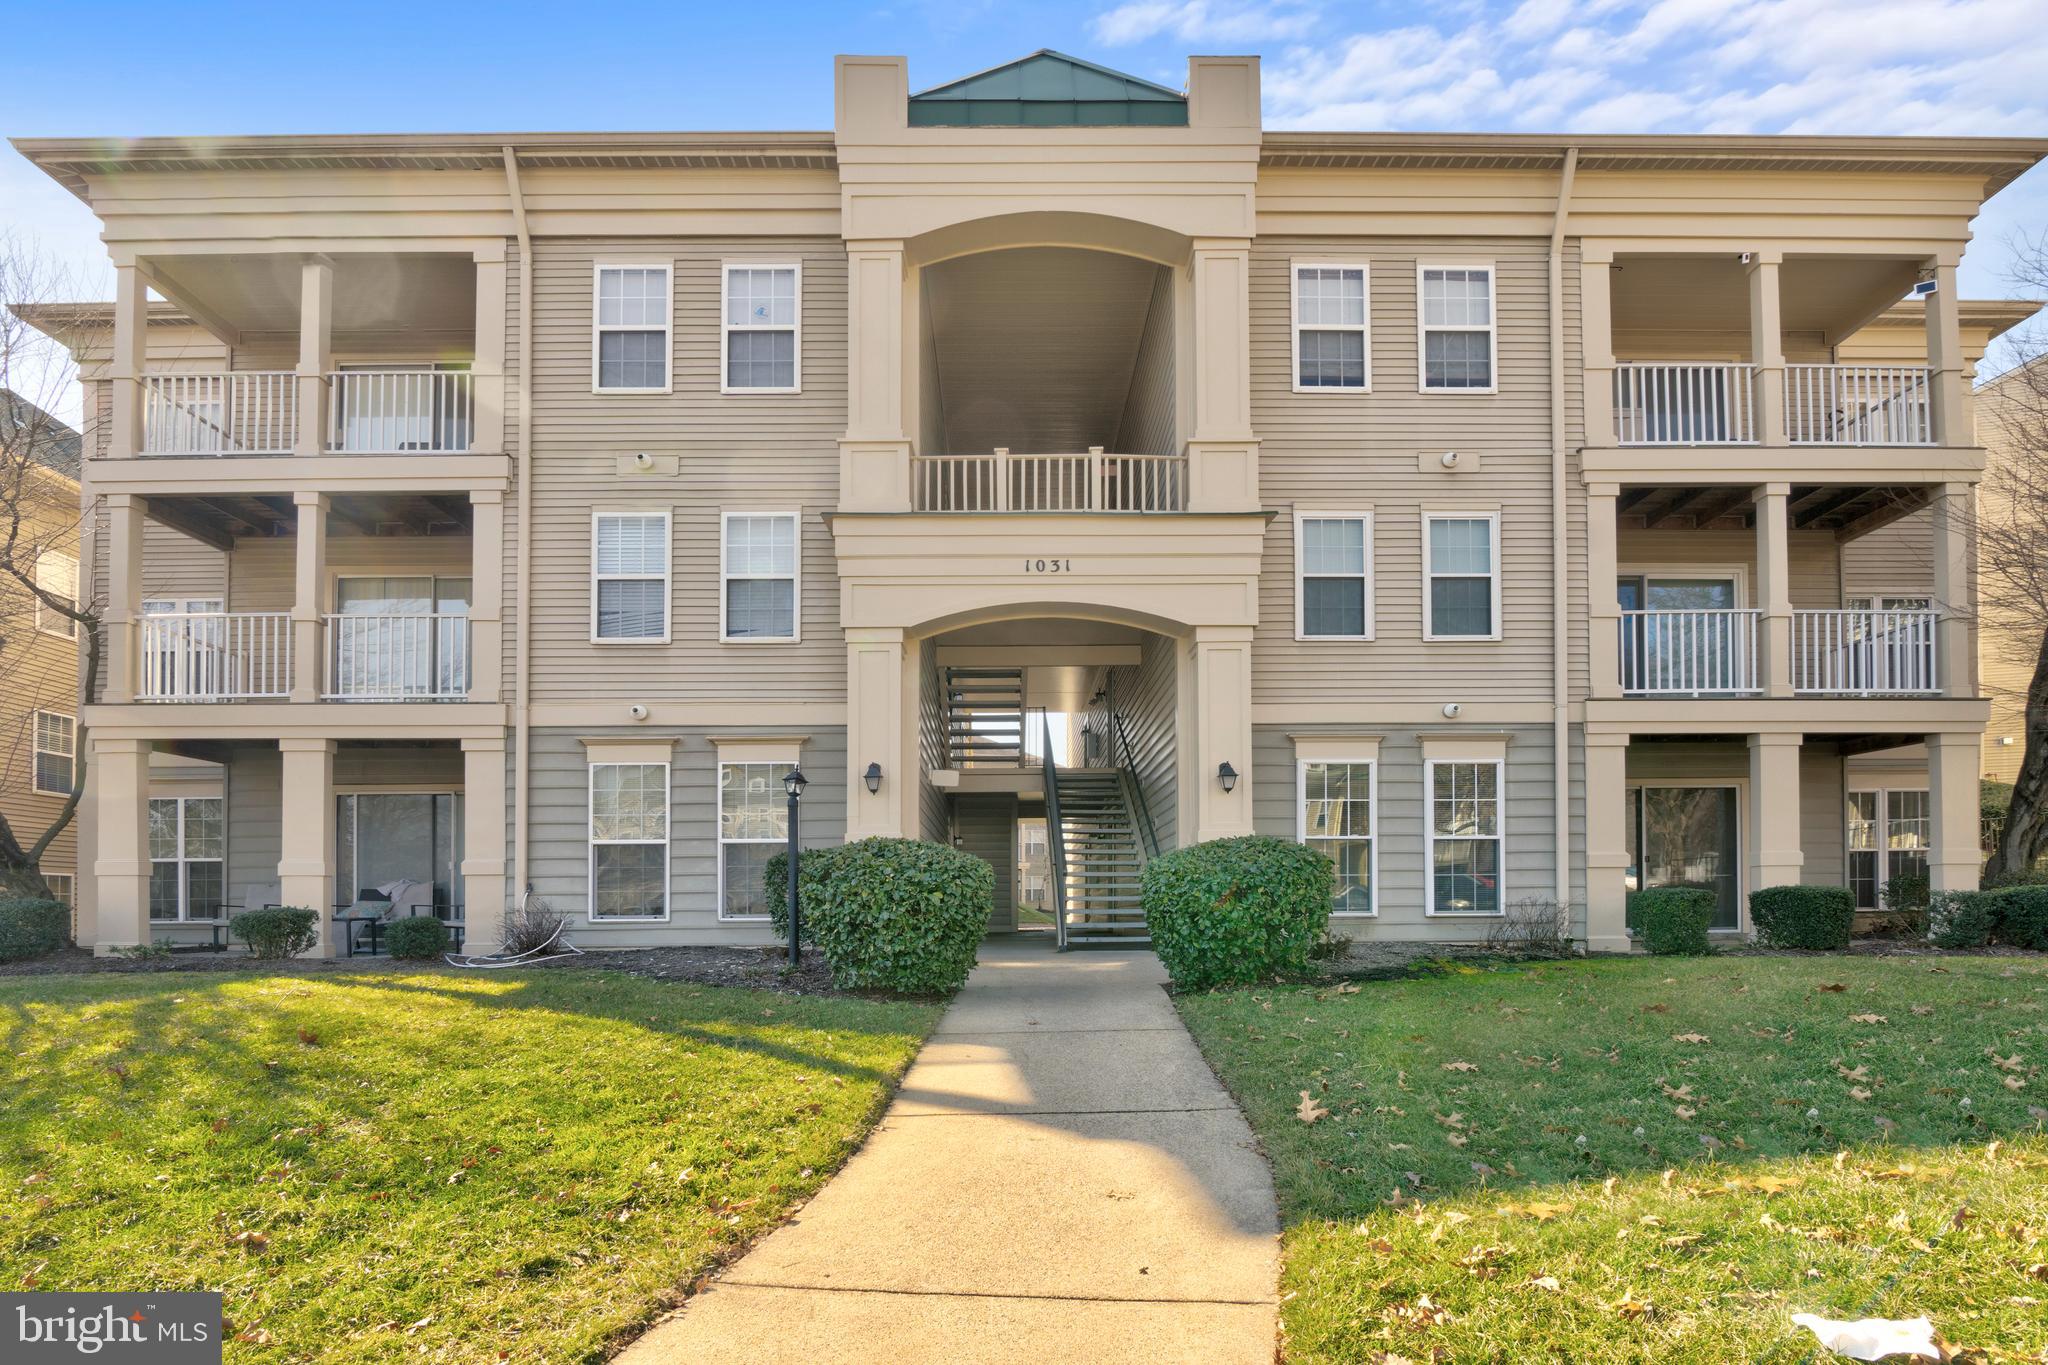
(1000, 502)
(1767, 347)
(1607, 859)
(1953, 856)
(483, 848)
(1774, 588)
(308, 664)
(1095, 499)
(120, 867)
(487, 360)
(125, 516)
(316, 353)
(1603, 605)
(1954, 656)
(1776, 855)
(1596, 313)
(1946, 377)
(487, 596)
(305, 864)
(127, 434)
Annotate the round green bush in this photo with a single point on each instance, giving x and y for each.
(416, 938)
(1961, 919)
(775, 883)
(1673, 920)
(1231, 912)
(2022, 917)
(1814, 917)
(898, 914)
(281, 932)
(30, 928)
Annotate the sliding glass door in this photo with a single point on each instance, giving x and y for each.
(406, 846)
(1688, 836)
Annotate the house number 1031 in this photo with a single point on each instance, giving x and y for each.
(1048, 566)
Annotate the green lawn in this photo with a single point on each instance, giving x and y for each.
(1651, 1159)
(420, 1166)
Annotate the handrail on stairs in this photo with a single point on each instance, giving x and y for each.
(1127, 764)
(1055, 841)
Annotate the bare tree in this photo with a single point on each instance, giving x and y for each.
(39, 518)
(2012, 551)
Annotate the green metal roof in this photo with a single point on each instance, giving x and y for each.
(1048, 90)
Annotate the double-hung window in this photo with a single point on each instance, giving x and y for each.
(763, 314)
(1336, 813)
(1333, 576)
(759, 569)
(187, 858)
(57, 576)
(753, 826)
(628, 840)
(1889, 835)
(630, 317)
(56, 753)
(629, 576)
(1461, 579)
(1331, 350)
(1456, 317)
(1464, 843)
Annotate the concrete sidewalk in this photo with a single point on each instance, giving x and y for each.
(1060, 1179)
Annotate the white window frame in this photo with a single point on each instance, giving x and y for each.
(666, 842)
(1301, 576)
(49, 622)
(668, 325)
(726, 327)
(1295, 327)
(795, 576)
(1498, 761)
(183, 860)
(1432, 515)
(742, 755)
(68, 882)
(1492, 328)
(1882, 791)
(666, 577)
(1365, 752)
(36, 750)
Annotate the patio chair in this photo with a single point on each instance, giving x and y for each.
(255, 896)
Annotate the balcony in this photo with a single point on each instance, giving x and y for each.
(241, 412)
(1685, 404)
(216, 656)
(1859, 405)
(1864, 653)
(1708, 403)
(1091, 482)
(1705, 653)
(399, 412)
(378, 657)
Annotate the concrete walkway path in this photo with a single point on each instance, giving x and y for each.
(1060, 1179)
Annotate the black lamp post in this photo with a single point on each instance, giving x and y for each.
(793, 783)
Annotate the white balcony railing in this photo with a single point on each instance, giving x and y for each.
(392, 412)
(376, 657)
(1689, 653)
(1688, 404)
(1864, 653)
(215, 656)
(1091, 482)
(242, 412)
(1858, 405)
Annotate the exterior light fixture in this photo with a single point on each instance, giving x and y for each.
(1227, 775)
(873, 777)
(793, 782)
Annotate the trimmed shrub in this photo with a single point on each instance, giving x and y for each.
(898, 914)
(416, 938)
(1815, 917)
(1231, 912)
(30, 928)
(1673, 920)
(1906, 893)
(1961, 919)
(285, 931)
(775, 884)
(2022, 917)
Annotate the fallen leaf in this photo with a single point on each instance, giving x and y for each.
(1923, 1010)
(1858, 1093)
(1632, 1308)
(1861, 1073)
(1868, 1019)
(249, 1240)
(1690, 1038)
(1835, 986)
(2012, 1063)
(1308, 1111)
(2015, 1083)
(1686, 1111)
(1460, 1066)
(1543, 1213)
(1710, 1142)
(1547, 1283)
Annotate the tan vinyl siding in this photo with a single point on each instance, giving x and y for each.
(1350, 451)
(734, 451)
(262, 574)
(1892, 561)
(1147, 702)
(561, 831)
(1814, 558)
(987, 826)
(41, 673)
(1147, 425)
(931, 743)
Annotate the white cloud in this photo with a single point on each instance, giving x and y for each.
(1214, 21)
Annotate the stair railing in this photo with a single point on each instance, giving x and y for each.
(1124, 759)
(1055, 838)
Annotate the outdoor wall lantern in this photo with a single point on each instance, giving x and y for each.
(793, 782)
(1227, 775)
(874, 778)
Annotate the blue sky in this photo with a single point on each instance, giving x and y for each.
(1806, 66)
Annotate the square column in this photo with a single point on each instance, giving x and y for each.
(1607, 844)
(876, 733)
(1222, 731)
(487, 363)
(316, 353)
(1774, 588)
(483, 844)
(1223, 453)
(309, 668)
(1596, 314)
(1603, 605)
(125, 516)
(487, 594)
(1767, 347)
(131, 304)
(1946, 375)
(1776, 856)
(874, 455)
(1954, 858)
(305, 866)
(120, 868)
(1955, 655)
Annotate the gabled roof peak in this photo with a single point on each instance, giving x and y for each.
(1048, 89)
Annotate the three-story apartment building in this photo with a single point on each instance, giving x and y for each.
(1046, 460)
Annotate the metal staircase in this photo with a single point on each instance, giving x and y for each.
(985, 716)
(1100, 858)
